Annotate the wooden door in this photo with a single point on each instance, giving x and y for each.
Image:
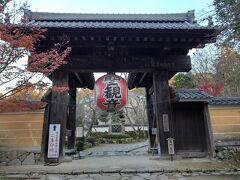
(189, 127)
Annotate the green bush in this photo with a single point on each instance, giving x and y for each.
(91, 140)
(97, 134)
(79, 145)
(80, 138)
(115, 136)
(138, 134)
(119, 141)
(132, 134)
(102, 141)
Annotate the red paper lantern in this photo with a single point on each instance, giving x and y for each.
(111, 92)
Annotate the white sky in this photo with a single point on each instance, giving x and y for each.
(119, 6)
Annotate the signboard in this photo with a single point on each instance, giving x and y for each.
(53, 141)
(79, 131)
(154, 131)
(111, 92)
(116, 128)
(165, 123)
(170, 142)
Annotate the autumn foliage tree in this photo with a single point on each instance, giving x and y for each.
(17, 42)
(27, 99)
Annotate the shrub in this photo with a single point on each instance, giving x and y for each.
(91, 140)
(110, 141)
(102, 141)
(119, 141)
(137, 135)
(115, 136)
(80, 145)
(132, 134)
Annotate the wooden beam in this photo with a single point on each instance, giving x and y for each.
(162, 111)
(176, 63)
(208, 131)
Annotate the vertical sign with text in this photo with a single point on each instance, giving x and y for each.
(53, 141)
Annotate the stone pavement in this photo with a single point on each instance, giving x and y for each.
(123, 176)
(139, 148)
(123, 162)
(126, 167)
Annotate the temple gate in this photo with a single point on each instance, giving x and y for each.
(152, 48)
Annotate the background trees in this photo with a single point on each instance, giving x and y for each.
(216, 67)
(183, 80)
(228, 71)
(17, 71)
(227, 14)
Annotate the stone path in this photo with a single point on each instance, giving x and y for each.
(124, 176)
(107, 163)
(116, 150)
(126, 167)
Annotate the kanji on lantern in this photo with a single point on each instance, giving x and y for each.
(111, 92)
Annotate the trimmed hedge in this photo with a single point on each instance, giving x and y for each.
(115, 136)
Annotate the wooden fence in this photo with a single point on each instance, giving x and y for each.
(24, 129)
(225, 122)
(21, 129)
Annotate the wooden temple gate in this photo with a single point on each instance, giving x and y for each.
(152, 48)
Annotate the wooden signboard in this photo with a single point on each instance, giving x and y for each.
(165, 123)
(53, 141)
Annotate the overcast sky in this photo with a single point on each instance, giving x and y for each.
(119, 6)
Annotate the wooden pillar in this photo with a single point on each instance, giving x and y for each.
(162, 110)
(44, 144)
(150, 118)
(208, 131)
(58, 111)
(72, 117)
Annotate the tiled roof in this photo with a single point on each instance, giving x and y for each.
(42, 16)
(183, 21)
(219, 101)
(191, 95)
(117, 25)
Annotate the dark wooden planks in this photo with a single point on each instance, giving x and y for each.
(190, 136)
(129, 64)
